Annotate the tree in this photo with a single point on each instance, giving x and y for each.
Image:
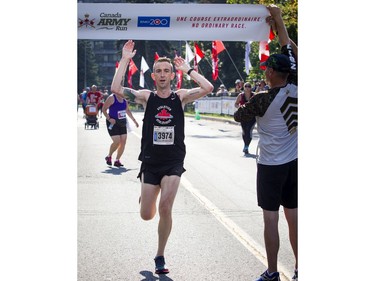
(290, 14)
(87, 67)
(288, 8)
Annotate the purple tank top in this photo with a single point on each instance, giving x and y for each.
(118, 109)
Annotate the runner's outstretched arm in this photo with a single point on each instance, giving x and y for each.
(191, 95)
(127, 54)
(116, 87)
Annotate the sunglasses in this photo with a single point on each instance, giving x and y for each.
(248, 86)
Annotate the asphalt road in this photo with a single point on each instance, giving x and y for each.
(217, 229)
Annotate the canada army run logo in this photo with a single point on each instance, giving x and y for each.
(105, 21)
(164, 117)
(86, 22)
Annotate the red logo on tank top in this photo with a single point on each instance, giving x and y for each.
(164, 116)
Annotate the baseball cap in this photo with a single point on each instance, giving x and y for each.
(237, 81)
(278, 62)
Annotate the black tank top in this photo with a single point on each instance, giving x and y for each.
(163, 131)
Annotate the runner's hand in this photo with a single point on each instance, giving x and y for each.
(127, 50)
(180, 64)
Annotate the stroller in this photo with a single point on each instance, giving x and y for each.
(91, 111)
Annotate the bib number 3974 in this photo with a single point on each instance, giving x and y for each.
(164, 135)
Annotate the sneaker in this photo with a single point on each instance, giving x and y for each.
(108, 159)
(266, 277)
(160, 265)
(245, 150)
(118, 163)
(295, 276)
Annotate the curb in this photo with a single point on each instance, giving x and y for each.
(214, 118)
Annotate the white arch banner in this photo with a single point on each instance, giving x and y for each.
(198, 22)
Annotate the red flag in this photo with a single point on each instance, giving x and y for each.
(179, 75)
(219, 46)
(132, 69)
(198, 56)
(264, 49)
(215, 67)
(156, 57)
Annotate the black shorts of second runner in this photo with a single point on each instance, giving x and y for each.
(153, 174)
(277, 185)
(116, 130)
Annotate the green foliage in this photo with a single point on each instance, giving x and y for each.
(87, 67)
(290, 16)
(289, 9)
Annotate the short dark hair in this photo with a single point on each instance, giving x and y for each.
(163, 59)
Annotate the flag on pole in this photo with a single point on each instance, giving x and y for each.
(264, 49)
(144, 68)
(179, 74)
(189, 56)
(132, 69)
(156, 57)
(248, 65)
(198, 56)
(264, 53)
(215, 67)
(219, 46)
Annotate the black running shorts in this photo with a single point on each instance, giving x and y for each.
(277, 185)
(153, 174)
(116, 129)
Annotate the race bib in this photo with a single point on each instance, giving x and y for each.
(164, 135)
(121, 114)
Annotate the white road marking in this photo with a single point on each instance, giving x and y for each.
(250, 244)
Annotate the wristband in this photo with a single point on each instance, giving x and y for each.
(190, 70)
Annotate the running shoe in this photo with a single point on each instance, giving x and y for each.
(266, 277)
(160, 265)
(295, 277)
(118, 163)
(108, 159)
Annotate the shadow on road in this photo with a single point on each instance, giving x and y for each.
(116, 171)
(149, 276)
(213, 137)
(249, 155)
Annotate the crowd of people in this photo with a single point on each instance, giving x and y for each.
(93, 96)
(223, 91)
(271, 104)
